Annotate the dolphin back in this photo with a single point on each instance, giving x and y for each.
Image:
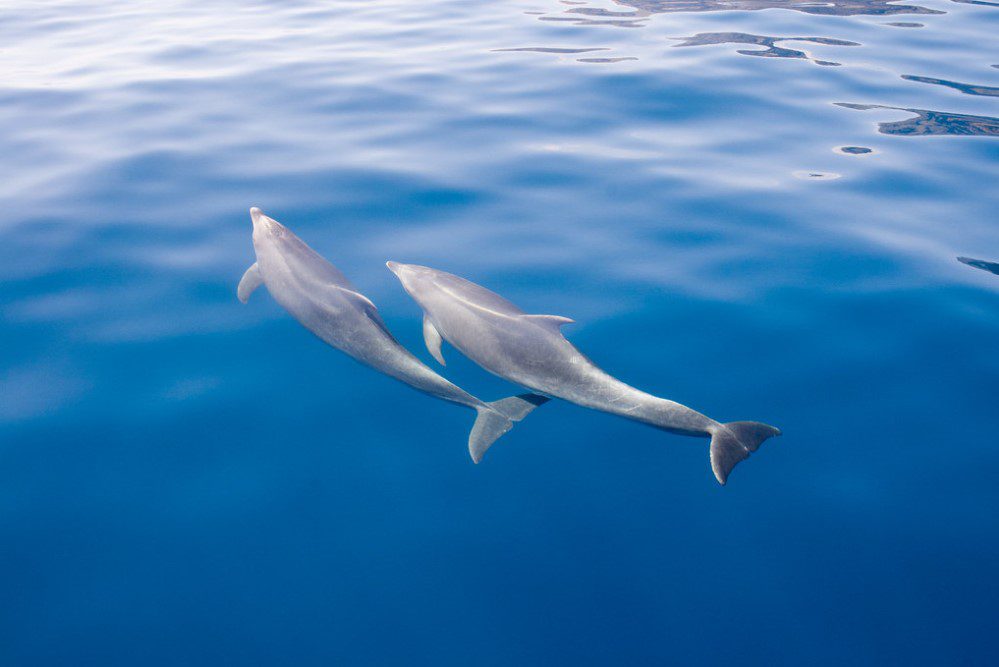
(470, 293)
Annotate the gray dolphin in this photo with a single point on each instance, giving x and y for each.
(530, 350)
(327, 304)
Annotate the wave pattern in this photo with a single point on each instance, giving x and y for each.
(185, 480)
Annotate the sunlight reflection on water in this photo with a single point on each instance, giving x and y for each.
(758, 237)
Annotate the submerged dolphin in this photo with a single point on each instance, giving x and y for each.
(324, 302)
(530, 350)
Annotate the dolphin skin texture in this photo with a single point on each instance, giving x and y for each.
(531, 351)
(321, 298)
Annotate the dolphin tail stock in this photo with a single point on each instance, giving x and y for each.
(496, 418)
(735, 441)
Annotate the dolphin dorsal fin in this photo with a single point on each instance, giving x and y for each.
(250, 281)
(553, 322)
(432, 337)
(357, 295)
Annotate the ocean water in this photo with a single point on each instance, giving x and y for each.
(753, 207)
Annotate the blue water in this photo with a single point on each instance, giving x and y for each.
(756, 212)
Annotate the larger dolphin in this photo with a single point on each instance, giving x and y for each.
(327, 304)
(530, 350)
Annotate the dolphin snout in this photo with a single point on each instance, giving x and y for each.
(259, 220)
(264, 225)
(407, 274)
(256, 215)
(404, 272)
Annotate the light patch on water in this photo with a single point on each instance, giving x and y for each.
(816, 175)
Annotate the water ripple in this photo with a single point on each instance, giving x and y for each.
(606, 60)
(927, 122)
(771, 50)
(722, 233)
(644, 8)
(966, 88)
(991, 267)
(550, 49)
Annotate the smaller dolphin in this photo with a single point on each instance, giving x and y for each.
(530, 350)
(324, 302)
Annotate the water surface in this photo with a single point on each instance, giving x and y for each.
(187, 480)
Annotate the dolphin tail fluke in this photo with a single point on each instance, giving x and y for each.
(518, 407)
(735, 441)
(496, 418)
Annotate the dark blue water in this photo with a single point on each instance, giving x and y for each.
(755, 212)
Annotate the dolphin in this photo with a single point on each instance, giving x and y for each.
(531, 351)
(321, 298)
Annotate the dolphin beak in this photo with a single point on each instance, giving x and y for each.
(257, 216)
(265, 226)
(406, 273)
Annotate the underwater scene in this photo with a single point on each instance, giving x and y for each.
(645, 237)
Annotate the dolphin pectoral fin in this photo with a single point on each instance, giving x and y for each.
(496, 418)
(552, 322)
(735, 441)
(432, 337)
(250, 281)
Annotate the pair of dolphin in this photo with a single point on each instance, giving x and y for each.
(525, 349)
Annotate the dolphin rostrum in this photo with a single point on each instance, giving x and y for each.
(530, 350)
(327, 304)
